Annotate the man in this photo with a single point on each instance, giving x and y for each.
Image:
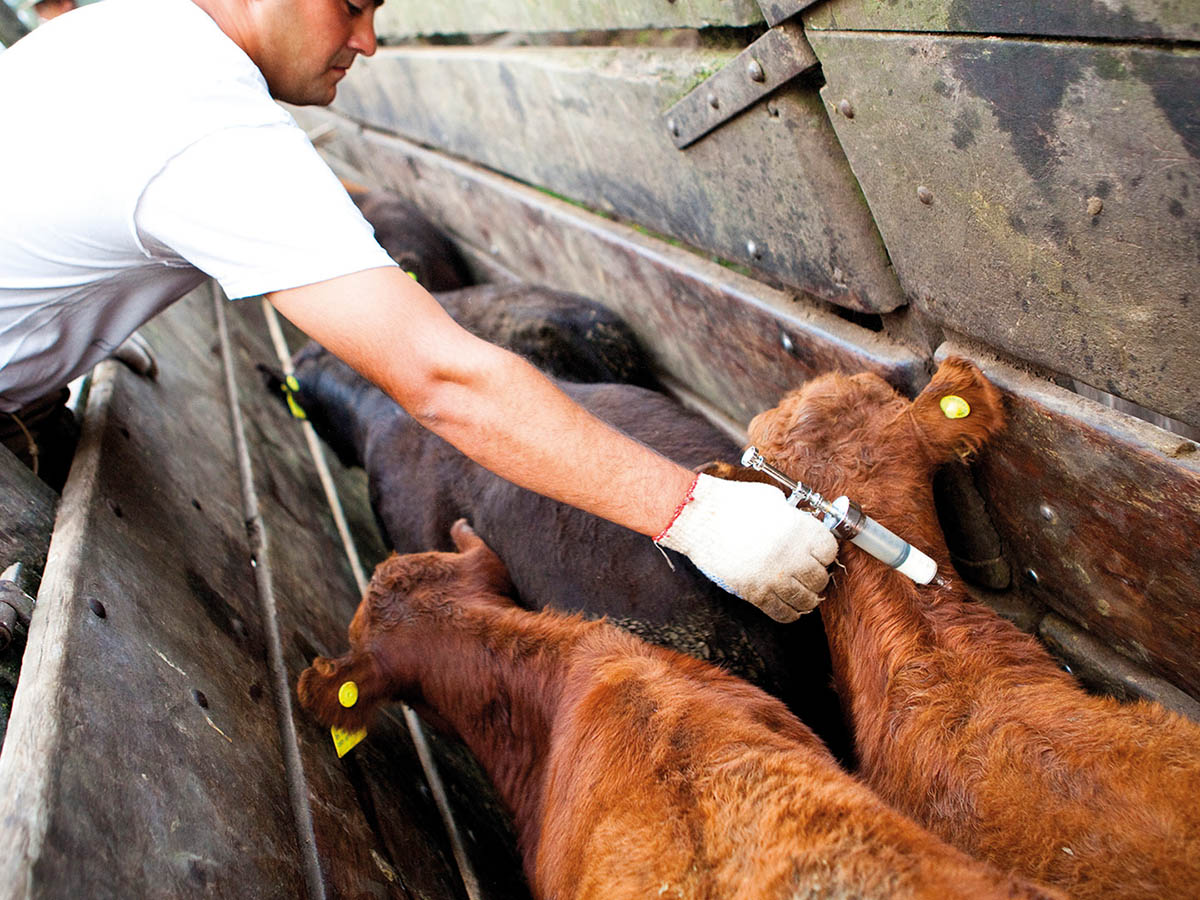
(173, 163)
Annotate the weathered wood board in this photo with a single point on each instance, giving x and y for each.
(395, 848)
(142, 703)
(407, 18)
(27, 507)
(376, 828)
(1062, 181)
(733, 341)
(1130, 19)
(1099, 514)
(770, 189)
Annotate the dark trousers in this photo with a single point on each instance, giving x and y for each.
(43, 435)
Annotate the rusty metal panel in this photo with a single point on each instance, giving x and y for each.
(1041, 197)
(770, 189)
(1099, 514)
(142, 755)
(733, 341)
(1130, 19)
(408, 18)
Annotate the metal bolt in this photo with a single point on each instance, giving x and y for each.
(1048, 513)
(673, 127)
(755, 71)
(785, 340)
(8, 624)
(713, 101)
(97, 607)
(925, 195)
(846, 109)
(1032, 576)
(752, 249)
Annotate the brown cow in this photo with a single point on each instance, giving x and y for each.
(632, 771)
(959, 719)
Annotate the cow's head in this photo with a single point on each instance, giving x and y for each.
(405, 601)
(856, 435)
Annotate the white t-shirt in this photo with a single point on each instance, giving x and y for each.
(152, 155)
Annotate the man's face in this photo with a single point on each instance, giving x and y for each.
(305, 47)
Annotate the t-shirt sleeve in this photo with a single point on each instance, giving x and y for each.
(257, 209)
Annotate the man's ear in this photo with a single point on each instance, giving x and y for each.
(322, 690)
(957, 411)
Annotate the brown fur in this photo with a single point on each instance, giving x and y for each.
(960, 719)
(632, 771)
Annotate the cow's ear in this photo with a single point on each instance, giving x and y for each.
(489, 568)
(344, 692)
(957, 411)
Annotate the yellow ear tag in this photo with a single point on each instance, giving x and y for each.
(345, 741)
(289, 387)
(413, 276)
(954, 407)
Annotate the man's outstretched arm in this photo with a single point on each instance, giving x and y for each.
(507, 416)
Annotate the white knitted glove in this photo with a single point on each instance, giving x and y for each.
(746, 538)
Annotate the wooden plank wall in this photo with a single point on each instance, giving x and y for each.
(1015, 181)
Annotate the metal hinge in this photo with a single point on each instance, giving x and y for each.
(776, 11)
(775, 58)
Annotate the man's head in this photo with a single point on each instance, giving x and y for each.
(302, 47)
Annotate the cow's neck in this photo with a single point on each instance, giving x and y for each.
(498, 685)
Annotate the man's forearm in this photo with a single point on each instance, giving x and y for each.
(489, 403)
(517, 423)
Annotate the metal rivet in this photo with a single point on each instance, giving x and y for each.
(1032, 575)
(200, 699)
(846, 109)
(752, 249)
(97, 607)
(673, 127)
(785, 341)
(713, 101)
(1047, 513)
(755, 71)
(925, 195)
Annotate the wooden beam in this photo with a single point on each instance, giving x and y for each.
(399, 19)
(735, 342)
(1040, 197)
(1098, 513)
(142, 747)
(27, 507)
(770, 189)
(1165, 20)
(376, 829)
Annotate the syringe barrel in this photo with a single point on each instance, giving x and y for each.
(865, 532)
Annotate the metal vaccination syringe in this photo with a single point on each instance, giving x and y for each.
(846, 519)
